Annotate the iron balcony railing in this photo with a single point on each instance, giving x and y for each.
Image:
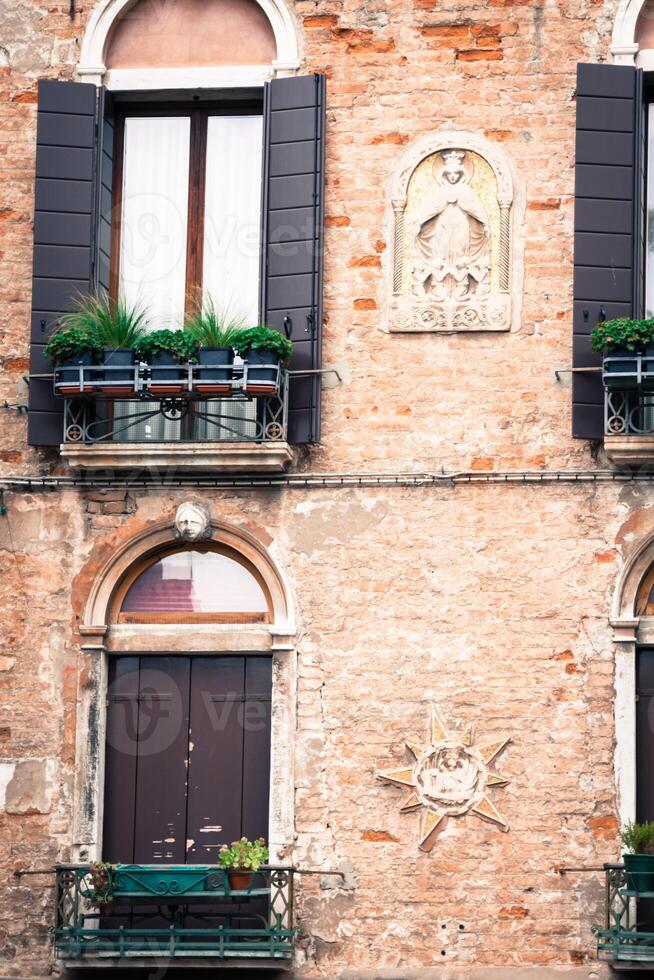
(176, 912)
(628, 394)
(628, 931)
(106, 403)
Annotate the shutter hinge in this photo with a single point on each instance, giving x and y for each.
(311, 322)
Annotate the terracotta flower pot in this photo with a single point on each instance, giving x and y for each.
(239, 881)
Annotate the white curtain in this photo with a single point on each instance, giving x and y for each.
(233, 214)
(154, 216)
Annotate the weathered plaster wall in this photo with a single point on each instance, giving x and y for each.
(490, 599)
(404, 597)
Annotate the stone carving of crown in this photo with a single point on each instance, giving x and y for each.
(454, 156)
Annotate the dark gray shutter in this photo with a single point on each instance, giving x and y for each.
(292, 235)
(608, 250)
(65, 251)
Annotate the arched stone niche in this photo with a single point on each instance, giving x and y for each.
(455, 262)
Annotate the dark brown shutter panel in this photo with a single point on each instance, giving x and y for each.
(292, 235)
(609, 199)
(66, 199)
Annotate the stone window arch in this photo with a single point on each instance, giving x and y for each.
(632, 42)
(212, 44)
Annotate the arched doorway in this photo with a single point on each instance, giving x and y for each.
(187, 758)
(188, 693)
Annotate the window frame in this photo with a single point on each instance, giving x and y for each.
(199, 112)
(116, 616)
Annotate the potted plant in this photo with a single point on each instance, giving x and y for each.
(261, 346)
(71, 347)
(241, 859)
(117, 326)
(100, 875)
(166, 351)
(216, 332)
(621, 341)
(638, 838)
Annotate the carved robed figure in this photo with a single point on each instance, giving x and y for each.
(452, 244)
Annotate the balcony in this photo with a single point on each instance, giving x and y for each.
(187, 915)
(118, 417)
(629, 408)
(627, 936)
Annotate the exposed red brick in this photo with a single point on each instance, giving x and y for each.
(395, 138)
(364, 304)
(479, 54)
(381, 836)
(548, 204)
(513, 912)
(604, 828)
(320, 20)
(453, 32)
(337, 220)
(365, 262)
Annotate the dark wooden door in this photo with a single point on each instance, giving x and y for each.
(645, 762)
(187, 756)
(645, 735)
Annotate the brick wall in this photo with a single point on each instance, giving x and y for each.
(491, 600)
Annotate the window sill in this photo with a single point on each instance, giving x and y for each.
(630, 450)
(185, 457)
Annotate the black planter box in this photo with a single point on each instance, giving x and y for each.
(67, 374)
(167, 374)
(626, 370)
(118, 382)
(261, 380)
(214, 375)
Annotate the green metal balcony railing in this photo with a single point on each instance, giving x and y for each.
(628, 932)
(178, 912)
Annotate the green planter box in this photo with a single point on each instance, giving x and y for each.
(639, 870)
(130, 879)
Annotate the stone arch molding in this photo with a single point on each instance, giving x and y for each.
(91, 67)
(409, 310)
(624, 47)
(624, 619)
(95, 625)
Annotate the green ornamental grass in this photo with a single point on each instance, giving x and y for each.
(212, 327)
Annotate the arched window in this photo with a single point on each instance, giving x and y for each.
(191, 33)
(199, 584)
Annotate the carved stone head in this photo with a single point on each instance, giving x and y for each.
(192, 522)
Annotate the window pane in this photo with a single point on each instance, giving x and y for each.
(196, 581)
(233, 213)
(154, 215)
(649, 280)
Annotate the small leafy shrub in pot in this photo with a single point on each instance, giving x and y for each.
(259, 346)
(166, 351)
(622, 334)
(638, 838)
(242, 858)
(71, 347)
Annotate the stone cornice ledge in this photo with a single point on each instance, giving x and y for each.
(624, 630)
(222, 457)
